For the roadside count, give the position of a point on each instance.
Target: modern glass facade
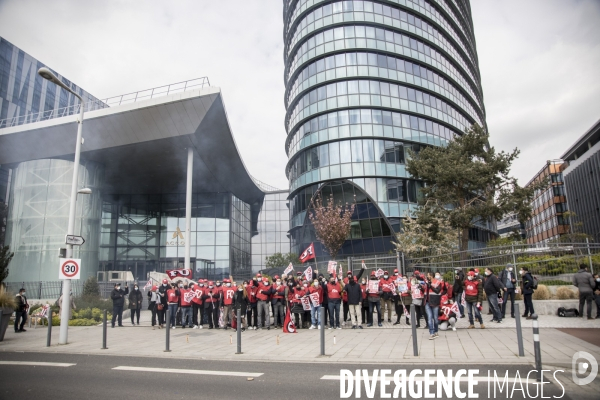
(365, 82)
(273, 226)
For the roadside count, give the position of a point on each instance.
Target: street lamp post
(64, 326)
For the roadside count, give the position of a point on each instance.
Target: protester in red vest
(173, 302)
(227, 301)
(296, 294)
(211, 298)
(364, 309)
(185, 300)
(265, 290)
(447, 317)
(278, 302)
(334, 297)
(388, 286)
(197, 303)
(473, 289)
(404, 298)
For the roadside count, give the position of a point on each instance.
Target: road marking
(431, 379)
(36, 363)
(191, 371)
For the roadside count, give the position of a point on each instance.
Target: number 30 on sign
(70, 268)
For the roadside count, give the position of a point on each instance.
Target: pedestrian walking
(528, 283)
(135, 304)
(509, 280)
(492, 288)
(21, 311)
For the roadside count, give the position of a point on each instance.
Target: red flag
(288, 324)
(308, 254)
(183, 273)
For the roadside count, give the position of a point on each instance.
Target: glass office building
(272, 229)
(365, 82)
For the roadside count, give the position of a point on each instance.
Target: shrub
(556, 282)
(564, 293)
(82, 322)
(7, 300)
(86, 301)
(34, 308)
(542, 293)
(91, 287)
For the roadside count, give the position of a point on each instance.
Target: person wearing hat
(211, 298)
(473, 296)
(373, 297)
(161, 309)
(153, 301)
(265, 290)
(447, 317)
(197, 304)
(334, 295)
(509, 279)
(388, 286)
(252, 307)
(118, 299)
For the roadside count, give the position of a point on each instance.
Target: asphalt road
(94, 377)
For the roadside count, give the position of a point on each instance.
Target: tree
(91, 287)
(280, 260)
(426, 230)
(5, 256)
(472, 180)
(331, 222)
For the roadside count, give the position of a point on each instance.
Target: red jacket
(211, 295)
(407, 293)
(388, 285)
(228, 293)
(334, 291)
(198, 291)
(185, 299)
(318, 290)
(264, 292)
(173, 296)
(252, 290)
(344, 294)
(298, 294)
(279, 292)
(363, 289)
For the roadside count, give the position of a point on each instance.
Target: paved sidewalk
(372, 345)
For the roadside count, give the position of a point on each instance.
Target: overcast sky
(539, 62)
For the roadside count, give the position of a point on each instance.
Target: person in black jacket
(240, 302)
(354, 293)
(492, 286)
(135, 303)
(527, 292)
(597, 294)
(162, 293)
(457, 290)
(509, 280)
(21, 310)
(118, 298)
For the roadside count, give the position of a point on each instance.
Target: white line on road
(191, 371)
(431, 379)
(36, 363)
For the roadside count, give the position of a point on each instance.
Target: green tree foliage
(5, 256)
(473, 180)
(278, 260)
(91, 287)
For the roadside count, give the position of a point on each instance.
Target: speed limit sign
(70, 268)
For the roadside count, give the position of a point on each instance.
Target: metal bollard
(413, 325)
(536, 347)
(104, 325)
(322, 312)
(168, 331)
(239, 331)
(519, 332)
(49, 338)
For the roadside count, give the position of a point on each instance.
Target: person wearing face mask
(403, 287)
(186, 296)
(173, 304)
(334, 295)
(211, 298)
(364, 309)
(240, 302)
(345, 305)
(161, 311)
(296, 304)
(118, 298)
(508, 278)
(278, 302)
(597, 294)
(388, 286)
(373, 297)
(252, 309)
(354, 293)
(228, 293)
(447, 317)
(325, 302)
(315, 310)
(417, 287)
(197, 305)
(22, 307)
(492, 286)
(135, 304)
(265, 290)
(527, 290)
(473, 296)
(153, 301)
(432, 303)
(457, 290)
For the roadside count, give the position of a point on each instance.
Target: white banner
(308, 273)
(306, 303)
(289, 269)
(314, 299)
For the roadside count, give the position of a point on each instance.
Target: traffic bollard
(536, 347)
(104, 325)
(519, 332)
(322, 311)
(239, 331)
(49, 338)
(168, 331)
(413, 325)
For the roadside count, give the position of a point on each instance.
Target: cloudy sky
(537, 60)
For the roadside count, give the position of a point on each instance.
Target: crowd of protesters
(353, 300)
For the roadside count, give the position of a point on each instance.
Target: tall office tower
(365, 82)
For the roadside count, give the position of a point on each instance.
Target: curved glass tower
(365, 82)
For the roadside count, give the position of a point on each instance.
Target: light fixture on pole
(65, 307)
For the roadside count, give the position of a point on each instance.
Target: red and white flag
(379, 272)
(308, 254)
(306, 303)
(314, 299)
(454, 308)
(462, 300)
(289, 269)
(148, 284)
(189, 296)
(406, 313)
(221, 325)
(308, 273)
(179, 273)
(340, 272)
(288, 324)
(331, 266)
(44, 312)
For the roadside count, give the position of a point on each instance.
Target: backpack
(567, 312)
(535, 283)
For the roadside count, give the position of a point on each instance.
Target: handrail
(127, 98)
